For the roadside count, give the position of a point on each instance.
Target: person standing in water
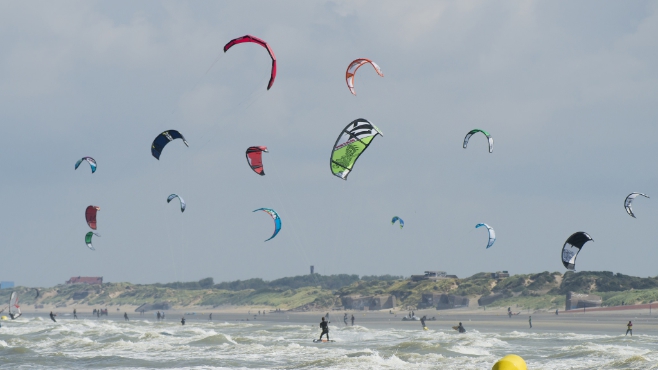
(159, 316)
(182, 321)
(210, 317)
(52, 316)
(460, 328)
(324, 325)
(629, 329)
(125, 316)
(352, 320)
(75, 314)
(422, 322)
(530, 321)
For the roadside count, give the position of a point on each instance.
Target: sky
(568, 90)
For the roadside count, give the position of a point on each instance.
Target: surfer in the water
(324, 325)
(352, 320)
(182, 321)
(460, 328)
(52, 316)
(630, 328)
(345, 319)
(125, 316)
(422, 322)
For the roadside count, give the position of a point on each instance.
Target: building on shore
(578, 300)
(443, 301)
(433, 275)
(378, 302)
(91, 280)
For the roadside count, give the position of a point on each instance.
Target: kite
(14, 308)
(492, 234)
(164, 139)
(396, 218)
(275, 217)
(92, 163)
(351, 143)
(256, 40)
(473, 132)
(182, 202)
(90, 216)
(255, 158)
(572, 247)
(88, 239)
(37, 296)
(629, 200)
(353, 67)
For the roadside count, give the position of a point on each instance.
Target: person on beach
(182, 321)
(324, 325)
(125, 316)
(460, 328)
(345, 319)
(75, 314)
(352, 320)
(530, 321)
(629, 329)
(52, 316)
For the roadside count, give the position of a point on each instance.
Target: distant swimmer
(125, 316)
(345, 319)
(182, 321)
(52, 316)
(75, 314)
(530, 321)
(352, 320)
(324, 325)
(630, 328)
(460, 328)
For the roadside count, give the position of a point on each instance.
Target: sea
(144, 343)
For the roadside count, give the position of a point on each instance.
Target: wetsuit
(422, 321)
(182, 321)
(52, 317)
(125, 316)
(352, 320)
(324, 325)
(75, 314)
(630, 328)
(461, 329)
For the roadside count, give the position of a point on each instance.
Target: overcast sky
(568, 90)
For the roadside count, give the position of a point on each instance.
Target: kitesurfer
(460, 328)
(75, 314)
(324, 325)
(159, 316)
(52, 316)
(530, 321)
(629, 328)
(125, 316)
(345, 319)
(182, 321)
(422, 321)
(352, 320)
(210, 317)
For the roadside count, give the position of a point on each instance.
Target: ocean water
(37, 343)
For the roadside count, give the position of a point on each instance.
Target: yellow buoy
(510, 362)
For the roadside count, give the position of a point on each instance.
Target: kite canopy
(473, 132)
(164, 139)
(182, 202)
(396, 218)
(92, 163)
(351, 143)
(90, 216)
(275, 217)
(629, 200)
(255, 158)
(492, 234)
(256, 40)
(88, 239)
(353, 67)
(572, 247)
